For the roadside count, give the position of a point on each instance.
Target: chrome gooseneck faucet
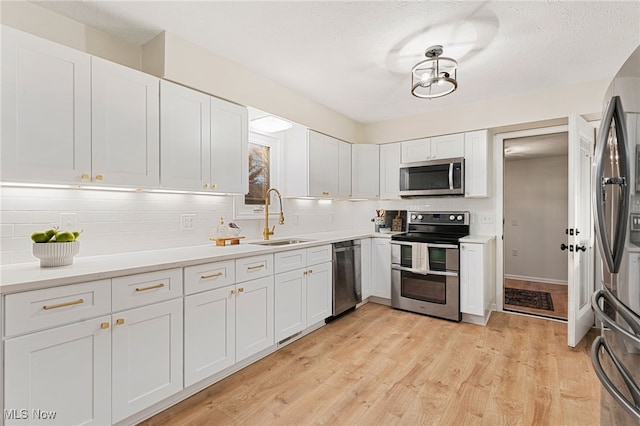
(267, 233)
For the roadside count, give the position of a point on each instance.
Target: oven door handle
(422, 272)
(444, 246)
(451, 176)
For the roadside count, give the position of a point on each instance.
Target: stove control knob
(452, 217)
(459, 217)
(419, 217)
(413, 216)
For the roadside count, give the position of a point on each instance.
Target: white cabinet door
(344, 170)
(323, 165)
(447, 146)
(296, 162)
(46, 110)
(390, 171)
(125, 125)
(319, 292)
(290, 303)
(209, 333)
(381, 267)
(66, 370)
(147, 356)
(185, 136)
(254, 317)
(365, 267)
(416, 150)
(471, 283)
(476, 164)
(365, 171)
(229, 147)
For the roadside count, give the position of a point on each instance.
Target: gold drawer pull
(252, 268)
(241, 290)
(85, 177)
(99, 178)
(311, 271)
(325, 193)
(120, 321)
(153, 287)
(206, 277)
(62, 305)
(104, 325)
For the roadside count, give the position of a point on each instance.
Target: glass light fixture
(435, 76)
(270, 124)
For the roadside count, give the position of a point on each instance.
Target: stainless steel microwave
(437, 177)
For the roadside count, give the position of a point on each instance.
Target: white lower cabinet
(290, 303)
(147, 356)
(254, 317)
(476, 278)
(209, 333)
(60, 376)
(319, 293)
(381, 267)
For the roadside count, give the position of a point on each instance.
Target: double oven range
(425, 264)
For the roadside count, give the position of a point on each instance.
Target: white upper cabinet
(185, 134)
(324, 152)
(204, 142)
(344, 169)
(390, 171)
(476, 165)
(229, 147)
(365, 179)
(46, 110)
(125, 122)
(435, 148)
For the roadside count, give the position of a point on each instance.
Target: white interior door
(580, 235)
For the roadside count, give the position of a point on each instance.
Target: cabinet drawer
(320, 254)
(254, 267)
(143, 289)
(50, 307)
(290, 260)
(209, 276)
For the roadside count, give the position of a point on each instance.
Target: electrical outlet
(295, 218)
(68, 222)
(486, 219)
(514, 222)
(332, 217)
(188, 222)
(514, 252)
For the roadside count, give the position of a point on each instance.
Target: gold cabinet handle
(206, 277)
(120, 321)
(206, 186)
(241, 290)
(153, 287)
(253, 268)
(233, 291)
(99, 178)
(214, 185)
(325, 193)
(85, 176)
(311, 271)
(305, 272)
(104, 325)
(62, 305)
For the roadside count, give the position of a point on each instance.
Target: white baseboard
(536, 279)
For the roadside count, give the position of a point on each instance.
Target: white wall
(117, 222)
(536, 211)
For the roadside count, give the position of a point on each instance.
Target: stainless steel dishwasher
(347, 285)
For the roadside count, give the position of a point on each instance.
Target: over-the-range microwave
(437, 177)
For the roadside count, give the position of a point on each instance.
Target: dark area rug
(528, 298)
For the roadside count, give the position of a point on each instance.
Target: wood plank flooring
(558, 295)
(381, 366)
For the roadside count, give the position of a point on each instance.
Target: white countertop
(482, 239)
(30, 276)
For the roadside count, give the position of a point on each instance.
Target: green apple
(65, 237)
(76, 234)
(39, 237)
(50, 233)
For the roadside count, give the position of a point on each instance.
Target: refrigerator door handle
(629, 316)
(631, 407)
(612, 251)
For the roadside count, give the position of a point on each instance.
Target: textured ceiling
(356, 57)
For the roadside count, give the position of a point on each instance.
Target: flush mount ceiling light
(435, 76)
(270, 124)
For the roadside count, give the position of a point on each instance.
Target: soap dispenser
(222, 229)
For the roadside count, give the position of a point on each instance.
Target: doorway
(535, 211)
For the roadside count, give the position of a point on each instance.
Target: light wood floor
(558, 295)
(382, 366)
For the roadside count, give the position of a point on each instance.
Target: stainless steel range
(425, 264)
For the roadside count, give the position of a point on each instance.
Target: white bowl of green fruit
(55, 248)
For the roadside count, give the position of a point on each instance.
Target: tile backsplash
(122, 222)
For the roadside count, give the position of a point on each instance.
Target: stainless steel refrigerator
(615, 354)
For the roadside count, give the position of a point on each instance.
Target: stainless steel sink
(281, 242)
